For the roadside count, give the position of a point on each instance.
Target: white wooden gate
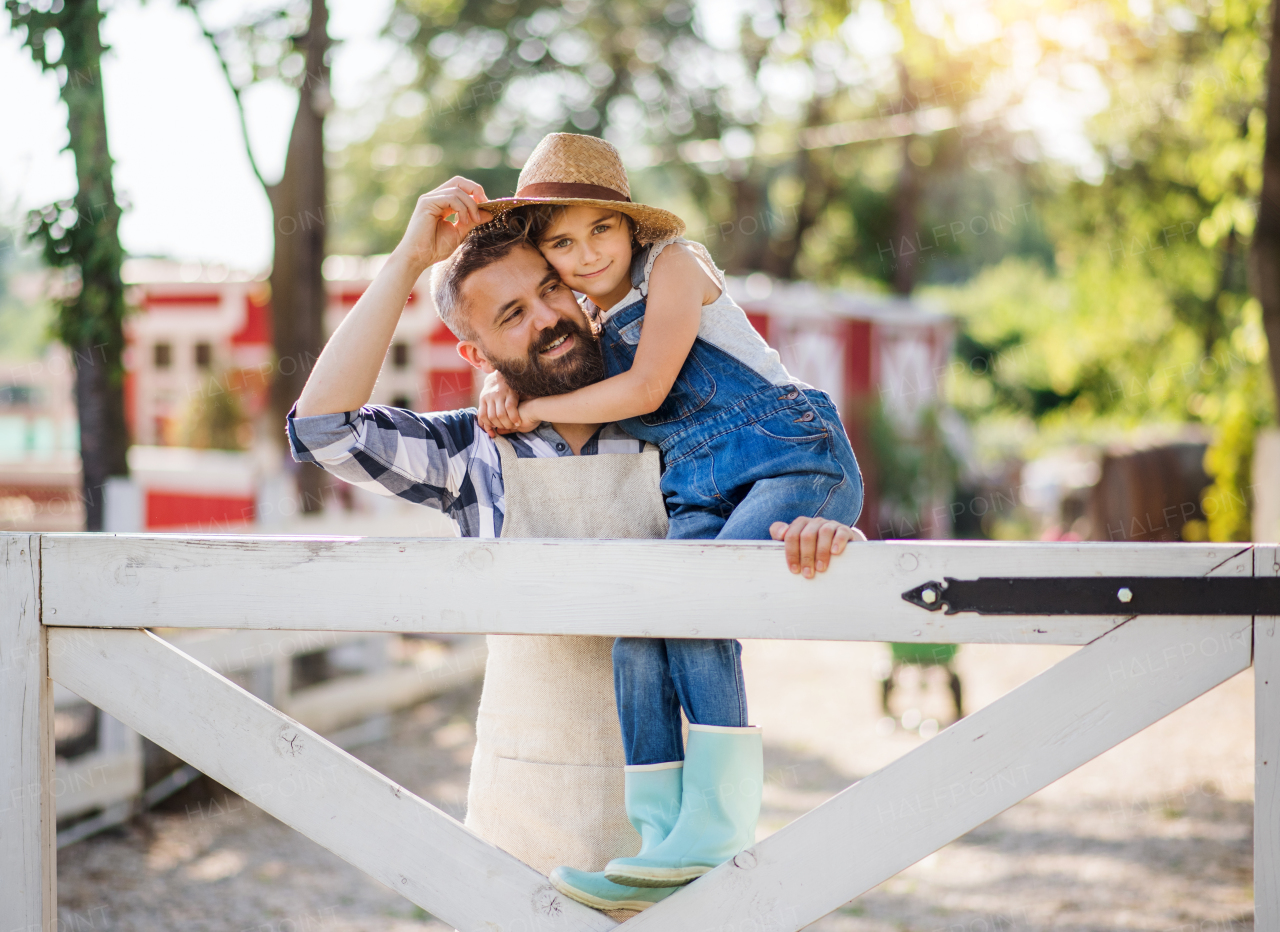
(74, 608)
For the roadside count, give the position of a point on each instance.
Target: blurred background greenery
(1098, 293)
(1077, 182)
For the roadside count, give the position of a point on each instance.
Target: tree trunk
(104, 439)
(1266, 238)
(90, 322)
(780, 261)
(906, 201)
(298, 296)
(748, 239)
(905, 224)
(93, 323)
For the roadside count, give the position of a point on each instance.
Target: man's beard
(536, 377)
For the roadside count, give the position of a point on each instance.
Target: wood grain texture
(28, 853)
(1266, 805)
(1087, 703)
(309, 784)
(642, 588)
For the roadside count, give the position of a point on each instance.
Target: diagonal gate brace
(308, 783)
(1101, 695)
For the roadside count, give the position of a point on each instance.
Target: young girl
(743, 445)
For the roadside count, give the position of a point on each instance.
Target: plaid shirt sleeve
(441, 459)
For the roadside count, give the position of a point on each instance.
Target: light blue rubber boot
(719, 808)
(653, 795)
(592, 889)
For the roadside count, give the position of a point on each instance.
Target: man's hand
(812, 542)
(345, 373)
(430, 236)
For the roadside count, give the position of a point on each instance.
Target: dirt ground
(1154, 835)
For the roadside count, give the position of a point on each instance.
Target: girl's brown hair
(531, 221)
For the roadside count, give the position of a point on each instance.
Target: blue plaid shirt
(440, 458)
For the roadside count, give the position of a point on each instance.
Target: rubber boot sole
(595, 902)
(656, 876)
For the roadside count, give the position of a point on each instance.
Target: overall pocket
(693, 388)
(797, 423)
(694, 385)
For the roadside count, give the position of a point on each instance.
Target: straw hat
(567, 168)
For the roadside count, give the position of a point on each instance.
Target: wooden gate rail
(649, 588)
(72, 606)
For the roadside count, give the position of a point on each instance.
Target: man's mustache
(562, 329)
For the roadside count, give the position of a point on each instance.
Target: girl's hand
(527, 420)
(498, 409)
(812, 542)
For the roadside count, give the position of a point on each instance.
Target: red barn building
(867, 351)
(201, 330)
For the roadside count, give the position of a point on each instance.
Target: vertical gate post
(1266, 783)
(28, 853)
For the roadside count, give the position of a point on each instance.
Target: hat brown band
(593, 192)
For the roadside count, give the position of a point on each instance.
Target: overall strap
(642, 264)
(640, 269)
(506, 453)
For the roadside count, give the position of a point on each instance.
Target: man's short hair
(485, 245)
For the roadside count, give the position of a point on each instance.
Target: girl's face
(591, 249)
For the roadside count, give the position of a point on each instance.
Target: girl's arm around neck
(678, 288)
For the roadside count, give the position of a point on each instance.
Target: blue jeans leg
(654, 677)
(707, 673)
(787, 497)
(648, 708)
(688, 523)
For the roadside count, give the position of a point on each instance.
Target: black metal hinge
(1102, 595)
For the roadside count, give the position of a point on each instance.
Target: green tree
(1149, 321)
(81, 236)
(1266, 242)
(491, 78)
(215, 420)
(291, 44)
(786, 149)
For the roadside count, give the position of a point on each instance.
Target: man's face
(529, 327)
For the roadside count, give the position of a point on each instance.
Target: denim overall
(738, 454)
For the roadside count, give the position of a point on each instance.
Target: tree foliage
(291, 44)
(1149, 323)
(1077, 181)
(781, 142)
(81, 236)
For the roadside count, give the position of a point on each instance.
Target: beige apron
(547, 775)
